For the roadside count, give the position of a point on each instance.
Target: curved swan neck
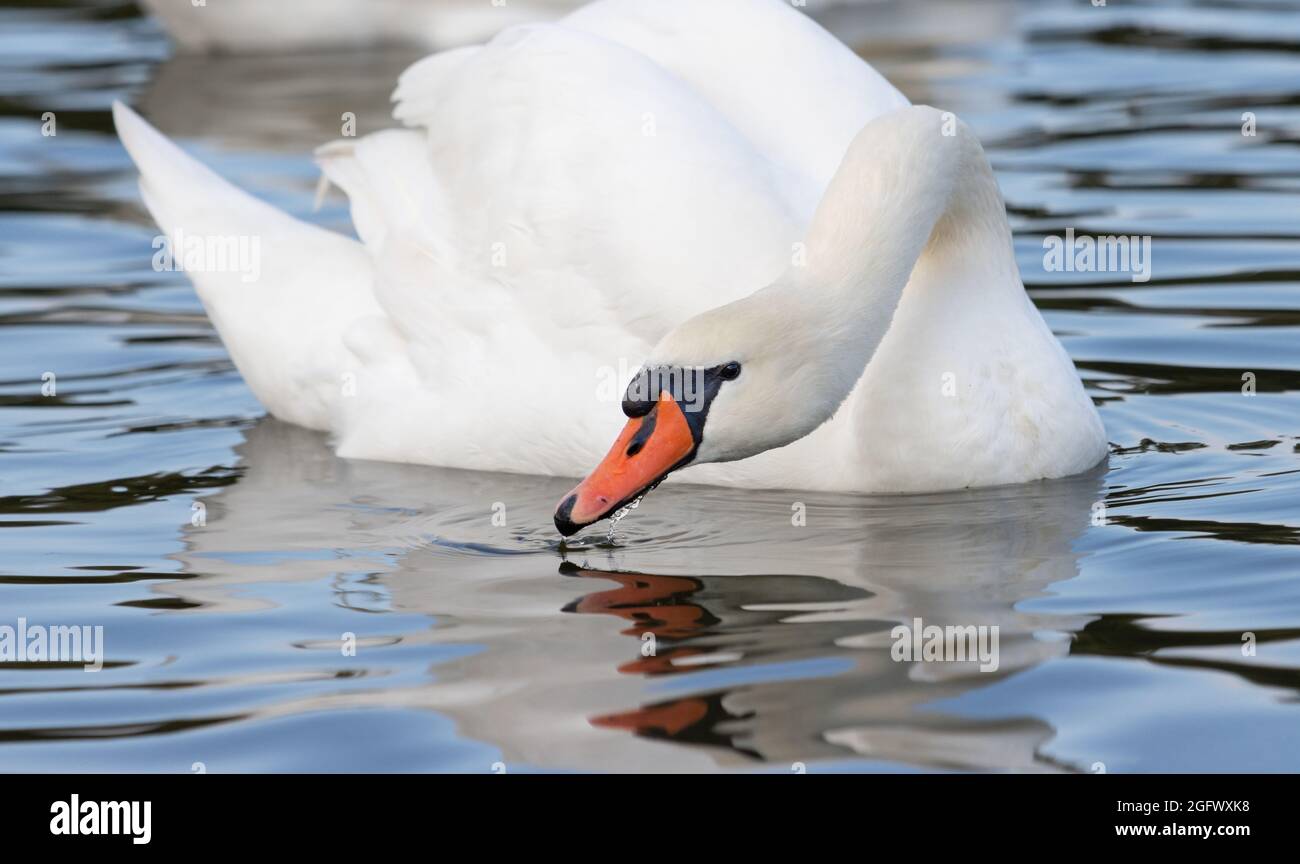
(913, 183)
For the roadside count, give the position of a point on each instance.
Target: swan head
(728, 384)
(768, 369)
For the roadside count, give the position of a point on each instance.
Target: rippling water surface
(1122, 597)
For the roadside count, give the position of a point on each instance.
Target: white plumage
(262, 26)
(570, 194)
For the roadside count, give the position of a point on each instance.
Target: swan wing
(583, 184)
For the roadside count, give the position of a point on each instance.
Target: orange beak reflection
(646, 451)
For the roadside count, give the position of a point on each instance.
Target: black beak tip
(563, 523)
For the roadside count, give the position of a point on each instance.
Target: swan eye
(730, 372)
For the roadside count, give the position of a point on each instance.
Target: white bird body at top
(661, 182)
(260, 26)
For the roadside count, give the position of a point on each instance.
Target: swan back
(793, 90)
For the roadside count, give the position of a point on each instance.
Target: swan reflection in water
(715, 633)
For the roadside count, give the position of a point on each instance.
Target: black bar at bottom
(333, 812)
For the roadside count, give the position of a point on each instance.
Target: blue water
(1123, 598)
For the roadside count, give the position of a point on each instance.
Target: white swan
(607, 193)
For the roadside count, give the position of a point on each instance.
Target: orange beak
(646, 451)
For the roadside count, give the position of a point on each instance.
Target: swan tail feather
(282, 293)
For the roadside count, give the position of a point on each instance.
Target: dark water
(1122, 598)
